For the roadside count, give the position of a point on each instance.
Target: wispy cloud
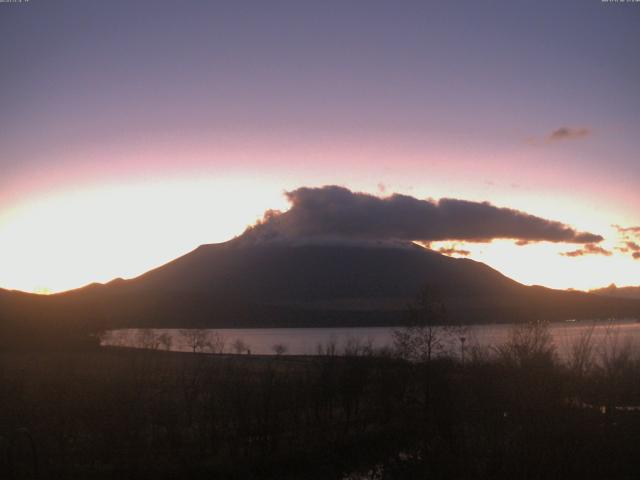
(588, 249)
(560, 134)
(627, 230)
(454, 251)
(568, 133)
(633, 246)
(629, 241)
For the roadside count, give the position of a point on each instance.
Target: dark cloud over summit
(333, 211)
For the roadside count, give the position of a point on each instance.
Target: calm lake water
(309, 341)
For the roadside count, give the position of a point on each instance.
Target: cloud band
(337, 211)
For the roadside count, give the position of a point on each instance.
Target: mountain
(618, 292)
(246, 284)
(41, 321)
(249, 284)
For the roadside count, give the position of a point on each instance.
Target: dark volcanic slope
(276, 273)
(235, 284)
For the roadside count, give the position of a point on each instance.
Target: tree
(581, 359)
(422, 338)
(355, 347)
(617, 363)
(239, 346)
(165, 340)
(197, 339)
(147, 338)
(330, 349)
(529, 345)
(279, 349)
(216, 343)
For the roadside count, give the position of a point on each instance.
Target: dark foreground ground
(133, 414)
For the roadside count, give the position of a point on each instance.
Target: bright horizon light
(68, 240)
(72, 239)
(132, 135)
(542, 264)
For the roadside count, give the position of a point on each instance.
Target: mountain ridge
(618, 292)
(327, 283)
(237, 284)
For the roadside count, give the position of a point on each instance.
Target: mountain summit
(311, 283)
(306, 282)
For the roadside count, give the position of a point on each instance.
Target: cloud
(633, 246)
(454, 251)
(625, 232)
(629, 240)
(338, 212)
(568, 133)
(588, 249)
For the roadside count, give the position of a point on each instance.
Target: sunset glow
(115, 160)
(319, 239)
(68, 240)
(65, 241)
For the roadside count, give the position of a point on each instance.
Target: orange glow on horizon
(543, 264)
(76, 238)
(71, 239)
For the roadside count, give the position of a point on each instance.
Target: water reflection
(337, 341)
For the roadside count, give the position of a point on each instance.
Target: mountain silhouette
(618, 292)
(245, 284)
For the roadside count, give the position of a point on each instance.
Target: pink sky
(132, 135)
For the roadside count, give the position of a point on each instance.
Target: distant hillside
(621, 292)
(239, 284)
(354, 283)
(41, 321)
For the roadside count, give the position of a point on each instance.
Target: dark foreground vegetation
(515, 412)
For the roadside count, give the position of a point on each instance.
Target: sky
(132, 132)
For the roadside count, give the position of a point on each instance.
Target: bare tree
(279, 349)
(617, 363)
(355, 347)
(239, 346)
(216, 343)
(529, 344)
(329, 349)
(615, 352)
(197, 339)
(423, 337)
(460, 333)
(147, 338)
(165, 340)
(581, 353)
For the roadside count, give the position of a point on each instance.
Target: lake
(311, 341)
